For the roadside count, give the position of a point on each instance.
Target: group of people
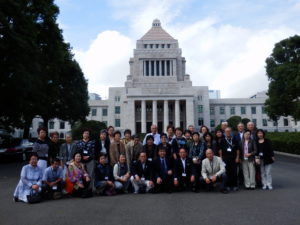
(173, 161)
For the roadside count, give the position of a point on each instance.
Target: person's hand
(35, 187)
(174, 156)
(109, 183)
(127, 175)
(137, 178)
(87, 179)
(207, 180)
(248, 155)
(170, 172)
(192, 178)
(151, 183)
(273, 158)
(80, 185)
(176, 183)
(214, 179)
(237, 160)
(159, 180)
(86, 157)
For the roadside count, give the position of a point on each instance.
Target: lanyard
(230, 143)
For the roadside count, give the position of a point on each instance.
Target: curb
(287, 154)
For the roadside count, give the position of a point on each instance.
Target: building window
(157, 45)
(254, 121)
(104, 112)
(168, 45)
(265, 122)
(163, 67)
(145, 45)
(62, 125)
(222, 110)
(200, 121)
(200, 108)
(263, 110)
(168, 67)
(232, 110)
(117, 122)
(151, 45)
(212, 123)
(117, 98)
(51, 125)
(199, 97)
(212, 110)
(243, 110)
(117, 109)
(61, 135)
(162, 46)
(275, 123)
(147, 68)
(253, 110)
(94, 112)
(285, 122)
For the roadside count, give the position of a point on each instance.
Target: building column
(160, 73)
(143, 116)
(166, 115)
(177, 114)
(154, 112)
(189, 107)
(174, 67)
(165, 67)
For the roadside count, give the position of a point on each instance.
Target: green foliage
(37, 68)
(283, 71)
(94, 126)
(285, 141)
(234, 121)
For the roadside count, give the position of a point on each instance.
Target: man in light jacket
(213, 171)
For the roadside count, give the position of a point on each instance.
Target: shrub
(285, 141)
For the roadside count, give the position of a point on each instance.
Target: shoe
(252, 188)
(270, 188)
(247, 188)
(228, 189)
(15, 199)
(264, 187)
(224, 191)
(235, 188)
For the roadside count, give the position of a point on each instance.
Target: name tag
(106, 178)
(194, 158)
(183, 174)
(54, 188)
(228, 149)
(150, 159)
(261, 154)
(143, 178)
(85, 152)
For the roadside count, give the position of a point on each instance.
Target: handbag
(34, 197)
(69, 185)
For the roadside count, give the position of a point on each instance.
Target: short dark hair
(41, 128)
(196, 133)
(262, 131)
(103, 131)
(33, 154)
(110, 127)
(117, 132)
(162, 148)
(54, 133)
(149, 137)
(178, 128)
(75, 153)
(127, 131)
(205, 127)
(55, 160)
(136, 136)
(101, 155)
(188, 131)
(163, 135)
(183, 149)
(170, 126)
(208, 134)
(86, 130)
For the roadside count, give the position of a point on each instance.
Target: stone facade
(158, 91)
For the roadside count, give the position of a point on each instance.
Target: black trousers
(231, 171)
(80, 192)
(165, 186)
(47, 191)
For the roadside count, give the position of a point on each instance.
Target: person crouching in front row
(121, 175)
(141, 178)
(213, 171)
(53, 180)
(104, 177)
(184, 176)
(163, 172)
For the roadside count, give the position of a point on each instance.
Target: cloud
(105, 63)
(220, 55)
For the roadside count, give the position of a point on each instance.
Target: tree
(245, 121)
(234, 121)
(283, 71)
(94, 126)
(38, 73)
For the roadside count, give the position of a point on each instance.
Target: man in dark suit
(238, 137)
(162, 172)
(102, 145)
(141, 172)
(67, 150)
(183, 171)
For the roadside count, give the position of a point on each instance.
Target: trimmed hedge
(285, 141)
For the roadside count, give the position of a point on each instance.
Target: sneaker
(235, 188)
(270, 187)
(264, 187)
(224, 191)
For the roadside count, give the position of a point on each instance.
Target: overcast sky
(225, 42)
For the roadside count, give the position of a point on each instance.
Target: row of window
(157, 45)
(264, 122)
(61, 125)
(104, 111)
(232, 110)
